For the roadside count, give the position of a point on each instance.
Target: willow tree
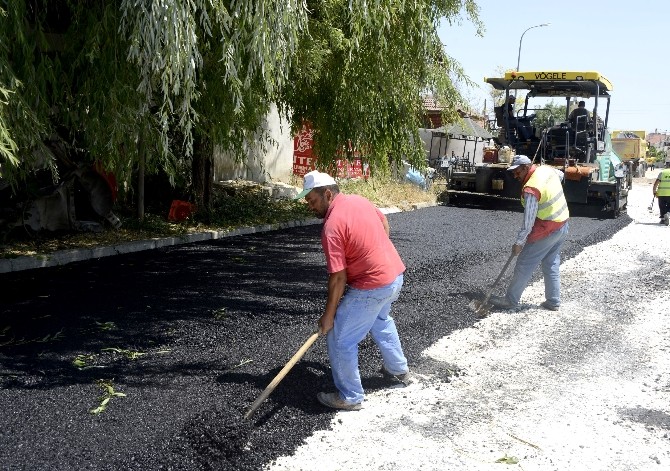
(162, 82)
(68, 80)
(361, 69)
(224, 62)
(138, 81)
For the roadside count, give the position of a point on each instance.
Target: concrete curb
(63, 257)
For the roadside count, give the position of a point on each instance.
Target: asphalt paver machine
(595, 176)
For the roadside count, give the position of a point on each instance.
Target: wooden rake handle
(273, 384)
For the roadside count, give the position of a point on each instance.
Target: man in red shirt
(365, 278)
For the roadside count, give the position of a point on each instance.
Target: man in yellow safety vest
(544, 229)
(662, 192)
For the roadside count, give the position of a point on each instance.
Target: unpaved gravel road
(587, 388)
(192, 335)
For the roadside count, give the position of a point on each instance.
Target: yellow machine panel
(554, 83)
(555, 75)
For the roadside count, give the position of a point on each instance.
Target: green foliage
(656, 154)
(155, 224)
(119, 78)
(251, 208)
(109, 393)
(220, 313)
(129, 354)
(106, 326)
(360, 71)
(508, 460)
(550, 113)
(119, 82)
(82, 361)
(214, 70)
(498, 96)
(7, 338)
(7, 145)
(69, 84)
(23, 109)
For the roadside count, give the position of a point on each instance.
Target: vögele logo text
(550, 76)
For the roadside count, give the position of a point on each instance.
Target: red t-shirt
(354, 238)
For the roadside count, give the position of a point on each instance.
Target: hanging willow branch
(100, 76)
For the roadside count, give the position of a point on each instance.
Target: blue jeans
(663, 204)
(359, 312)
(546, 251)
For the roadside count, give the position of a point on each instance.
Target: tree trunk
(203, 174)
(140, 180)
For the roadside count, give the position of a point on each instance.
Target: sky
(624, 41)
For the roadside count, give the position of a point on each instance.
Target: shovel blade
(480, 308)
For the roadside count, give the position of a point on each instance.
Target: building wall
(266, 161)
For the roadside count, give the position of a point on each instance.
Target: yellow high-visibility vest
(552, 205)
(663, 188)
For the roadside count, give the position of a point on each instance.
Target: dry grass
(383, 192)
(45, 243)
(387, 193)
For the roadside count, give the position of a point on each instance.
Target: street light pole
(518, 60)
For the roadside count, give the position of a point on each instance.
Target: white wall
(275, 163)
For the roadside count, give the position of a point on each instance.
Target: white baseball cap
(315, 179)
(519, 160)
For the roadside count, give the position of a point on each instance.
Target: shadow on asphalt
(143, 301)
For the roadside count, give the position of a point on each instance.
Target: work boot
(666, 219)
(334, 401)
(501, 302)
(405, 378)
(548, 306)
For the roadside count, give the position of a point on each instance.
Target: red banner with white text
(304, 161)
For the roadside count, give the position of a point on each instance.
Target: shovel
(651, 206)
(273, 384)
(482, 308)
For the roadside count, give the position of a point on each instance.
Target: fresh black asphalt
(192, 334)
